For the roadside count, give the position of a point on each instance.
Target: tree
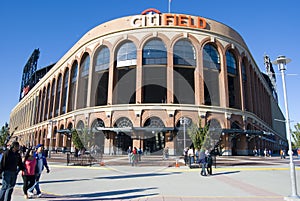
(296, 136)
(198, 134)
(4, 135)
(76, 139)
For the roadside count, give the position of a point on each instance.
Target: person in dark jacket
(209, 161)
(10, 165)
(41, 162)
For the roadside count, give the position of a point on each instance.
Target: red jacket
(29, 167)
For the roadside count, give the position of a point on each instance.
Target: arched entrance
(122, 138)
(213, 136)
(154, 135)
(98, 137)
(235, 138)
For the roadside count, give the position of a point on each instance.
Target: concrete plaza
(264, 181)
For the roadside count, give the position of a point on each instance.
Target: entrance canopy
(132, 129)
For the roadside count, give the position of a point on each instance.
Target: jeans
(203, 171)
(8, 183)
(36, 185)
(28, 182)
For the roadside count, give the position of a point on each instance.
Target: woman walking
(29, 173)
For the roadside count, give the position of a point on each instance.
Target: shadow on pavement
(137, 175)
(117, 195)
(224, 173)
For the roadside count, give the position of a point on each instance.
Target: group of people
(266, 152)
(32, 166)
(202, 157)
(205, 161)
(134, 155)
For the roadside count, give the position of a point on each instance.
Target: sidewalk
(158, 183)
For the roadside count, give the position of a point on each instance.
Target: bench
(82, 160)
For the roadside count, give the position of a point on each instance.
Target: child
(29, 173)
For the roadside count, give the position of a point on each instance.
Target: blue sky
(268, 27)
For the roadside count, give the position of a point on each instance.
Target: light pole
(183, 121)
(50, 134)
(281, 61)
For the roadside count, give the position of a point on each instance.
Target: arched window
(245, 86)
(102, 59)
(100, 77)
(83, 82)
(43, 105)
(211, 64)
(125, 74)
(233, 81)
(48, 95)
(52, 99)
(244, 71)
(154, 72)
(231, 63)
(154, 52)
(65, 91)
(184, 66)
(126, 55)
(184, 53)
(211, 58)
(84, 67)
(58, 90)
(72, 89)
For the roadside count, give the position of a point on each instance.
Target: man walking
(41, 162)
(202, 162)
(10, 164)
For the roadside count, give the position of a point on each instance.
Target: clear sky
(268, 27)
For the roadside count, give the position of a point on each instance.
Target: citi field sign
(153, 17)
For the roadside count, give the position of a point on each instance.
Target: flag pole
(169, 10)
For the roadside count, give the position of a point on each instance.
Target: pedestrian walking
(140, 152)
(10, 164)
(209, 161)
(202, 162)
(28, 174)
(134, 159)
(129, 154)
(166, 153)
(191, 156)
(41, 162)
(185, 155)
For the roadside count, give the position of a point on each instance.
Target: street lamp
(281, 61)
(50, 134)
(183, 121)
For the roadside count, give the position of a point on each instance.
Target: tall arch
(58, 95)
(124, 86)
(184, 61)
(72, 90)
(65, 91)
(154, 72)
(83, 81)
(51, 108)
(100, 76)
(211, 70)
(233, 80)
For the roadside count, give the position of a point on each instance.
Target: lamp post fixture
(183, 121)
(281, 61)
(50, 134)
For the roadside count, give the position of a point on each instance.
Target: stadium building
(144, 81)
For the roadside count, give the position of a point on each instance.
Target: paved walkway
(162, 183)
